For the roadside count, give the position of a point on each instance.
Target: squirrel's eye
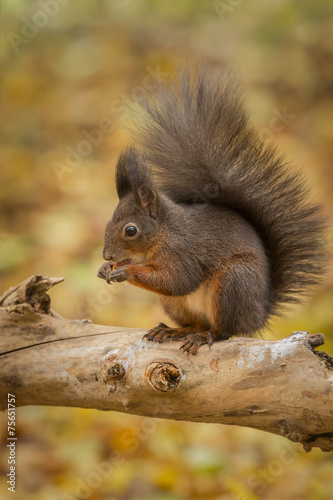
(131, 231)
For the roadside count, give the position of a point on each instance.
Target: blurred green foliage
(70, 70)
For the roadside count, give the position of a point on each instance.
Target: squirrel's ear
(123, 184)
(148, 200)
(131, 172)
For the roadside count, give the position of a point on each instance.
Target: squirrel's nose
(106, 255)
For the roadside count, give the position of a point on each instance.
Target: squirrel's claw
(157, 334)
(195, 340)
(190, 346)
(210, 339)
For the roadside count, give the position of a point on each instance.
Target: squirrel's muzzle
(107, 255)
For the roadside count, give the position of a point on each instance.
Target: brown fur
(224, 235)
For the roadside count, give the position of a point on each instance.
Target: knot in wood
(113, 370)
(116, 371)
(163, 376)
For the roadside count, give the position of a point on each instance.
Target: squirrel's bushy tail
(195, 134)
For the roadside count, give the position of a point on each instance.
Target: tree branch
(284, 386)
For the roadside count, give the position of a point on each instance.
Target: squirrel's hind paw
(162, 332)
(159, 333)
(192, 339)
(195, 340)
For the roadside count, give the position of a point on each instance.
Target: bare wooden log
(284, 386)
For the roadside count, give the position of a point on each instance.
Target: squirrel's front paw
(117, 275)
(105, 270)
(114, 271)
(109, 273)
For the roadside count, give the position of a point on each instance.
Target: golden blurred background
(69, 71)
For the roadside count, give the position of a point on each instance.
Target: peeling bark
(284, 386)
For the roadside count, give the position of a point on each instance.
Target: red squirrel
(210, 217)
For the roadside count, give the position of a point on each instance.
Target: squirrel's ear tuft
(148, 200)
(123, 184)
(131, 173)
